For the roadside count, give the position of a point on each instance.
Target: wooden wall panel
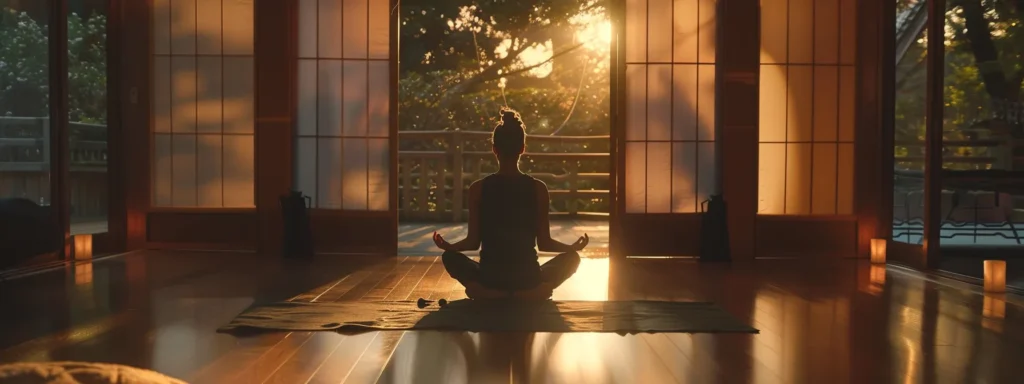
(202, 230)
(135, 89)
(275, 51)
(738, 66)
(872, 153)
(806, 237)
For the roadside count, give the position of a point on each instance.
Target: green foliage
(24, 64)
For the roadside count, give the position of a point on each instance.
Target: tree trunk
(986, 57)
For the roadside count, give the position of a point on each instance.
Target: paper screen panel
(684, 177)
(210, 104)
(354, 29)
(379, 174)
(306, 168)
(328, 29)
(209, 26)
(238, 27)
(636, 177)
(183, 170)
(209, 171)
(239, 171)
(355, 167)
(659, 177)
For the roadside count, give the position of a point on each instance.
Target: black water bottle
(298, 237)
(714, 237)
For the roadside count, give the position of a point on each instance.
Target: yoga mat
(492, 316)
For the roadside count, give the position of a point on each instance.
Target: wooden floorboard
(818, 324)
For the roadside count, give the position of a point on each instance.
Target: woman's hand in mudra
(441, 242)
(581, 243)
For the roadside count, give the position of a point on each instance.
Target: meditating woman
(508, 216)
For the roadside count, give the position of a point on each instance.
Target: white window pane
(659, 177)
(379, 175)
(659, 99)
(774, 15)
(183, 94)
(801, 31)
(209, 99)
(659, 31)
(307, 28)
(708, 25)
(329, 27)
(329, 172)
(354, 28)
(162, 94)
(208, 26)
(162, 170)
(826, 101)
(846, 103)
(210, 180)
(355, 166)
(305, 167)
(848, 32)
(706, 171)
(238, 27)
(354, 115)
(239, 171)
(636, 31)
(684, 102)
(161, 27)
(636, 101)
(684, 177)
(800, 104)
(823, 196)
(636, 177)
(826, 31)
(183, 27)
(329, 99)
(771, 179)
(706, 101)
(183, 170)
(772, 109)
(846, 169)
(685, 37)
(306, 111)
(798, 179)
(239, 95)
(379, 98)
(380, 29)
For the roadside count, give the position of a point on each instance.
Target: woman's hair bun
(510, 118)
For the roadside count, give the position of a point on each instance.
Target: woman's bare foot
(480, 292)
(540, 292)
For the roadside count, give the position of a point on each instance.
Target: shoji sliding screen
(806, 127)
(202, 124)
(345, 147)
(666, 136)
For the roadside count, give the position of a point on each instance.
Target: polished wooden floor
(843, 322)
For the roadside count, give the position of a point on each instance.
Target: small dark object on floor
(422, 303)
(442, 302)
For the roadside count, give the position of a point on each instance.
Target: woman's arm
(472, 240)
(544, 241)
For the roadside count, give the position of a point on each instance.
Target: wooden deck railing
(433, 183)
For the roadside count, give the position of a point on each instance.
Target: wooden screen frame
(339, 231)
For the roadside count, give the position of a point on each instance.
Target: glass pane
(380, 29)
(378, 174)
(355, 187)
(684, 177)
(908, 191)
(354, 112)
(354, 23)
(210, 171)
(636, 31)
(306, 168)
(636, 177)
(87, 117)
(659, 31)
(659, 102)
(636, 100)
(328, 27)
(329, 101)
(684, 102)
(824, 172)
(659, 177)
(328, 172)
(685, 38)
(983, 126)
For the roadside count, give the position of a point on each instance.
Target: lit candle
(83, 247)
(878, 251)
(995, 276)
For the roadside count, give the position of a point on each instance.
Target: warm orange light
(83, 274)
(993, 307)
(878, 251)
(995, 276)
(83, 247)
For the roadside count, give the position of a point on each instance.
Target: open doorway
(460, 63)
